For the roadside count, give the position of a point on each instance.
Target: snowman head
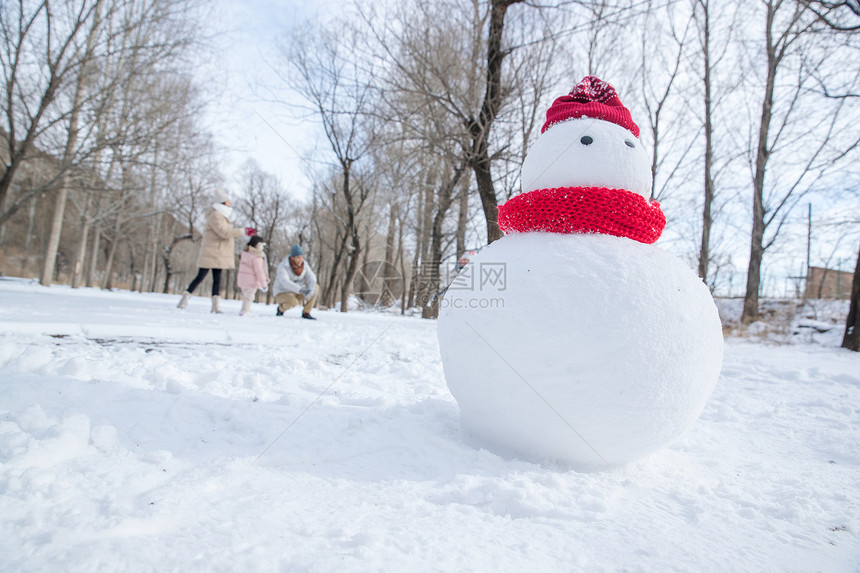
(589, 140)
(587, 172)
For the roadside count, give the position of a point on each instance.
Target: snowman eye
(628, 143)
(586, 140)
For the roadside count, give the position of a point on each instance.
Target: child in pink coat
(253, 273)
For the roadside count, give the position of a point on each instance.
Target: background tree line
(426, 111)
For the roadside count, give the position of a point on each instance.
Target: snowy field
(137, 437)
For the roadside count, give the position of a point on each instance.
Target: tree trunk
(366, 241)
(413, 284)
(427, 215)
(108, 284)
(53, 245)
(851, 340)
(416, 260)
(3, 200)
(168, 273)
(479, 128)
(487, 192)
(141, 286)
(463, 217)
(351, 232)
(81, 254)
(108, 278)
(402, 261)
(31, 223)
(422, 284)
(392, 231)
(352, 266)
(707, 219)
(331, 287)
(351, 269)
(150, 257)
(168, 268)
(131, 266)
(154, 267)
(11, 167)
(78, 268)
(389, 271)
(750, 311)
(430, 306)
(93, 259)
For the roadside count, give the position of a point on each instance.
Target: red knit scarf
(584, 210)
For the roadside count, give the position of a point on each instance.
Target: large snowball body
(593, 351)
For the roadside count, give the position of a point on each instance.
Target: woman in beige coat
(216, 249)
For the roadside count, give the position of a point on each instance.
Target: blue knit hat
(296, 251)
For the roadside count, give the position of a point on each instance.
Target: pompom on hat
(592, 97)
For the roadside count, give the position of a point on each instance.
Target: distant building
(828, 283)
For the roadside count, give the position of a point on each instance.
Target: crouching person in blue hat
(295, 284)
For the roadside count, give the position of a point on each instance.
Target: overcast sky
(244, 122)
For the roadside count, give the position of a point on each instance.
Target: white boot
(183, 302)
(216, 304)
(246, 307)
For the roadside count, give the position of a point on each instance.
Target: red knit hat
(592, 97)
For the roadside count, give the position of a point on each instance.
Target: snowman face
(587, 152)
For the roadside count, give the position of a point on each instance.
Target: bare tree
(32, 103)
(815, 147)
(842, 16)
(71, 148)
(659, 84)
(57, 106)
(533, 75)
(479, 126)
(323, 69)
(702, 15)
(472, 91)
(714, 38)
(395, 163)
(447, 182)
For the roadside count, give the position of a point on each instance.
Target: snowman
(573, 340)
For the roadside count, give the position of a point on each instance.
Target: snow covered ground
(137, 437)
